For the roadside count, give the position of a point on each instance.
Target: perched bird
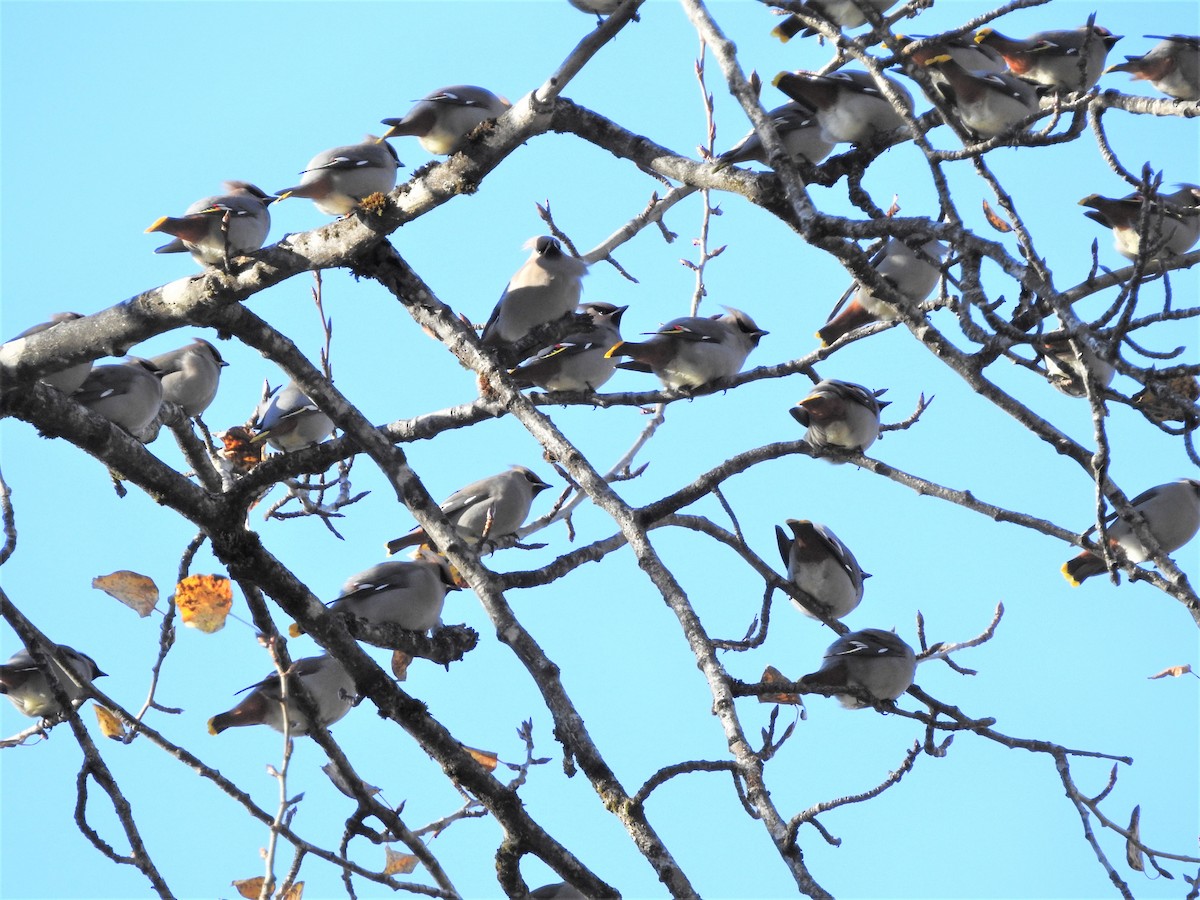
(1069, 60)
(1172, 66)
(986, 104)
(491, 507)
(693, 351)
(849, 106)
(871, 661)
(839, 416)
(1066, 370)
(1170, 229)
(842, 13)
(216, 229)
(288, 420)
(544, 289)
(1172, 513)
(913, 274)
(442, 120)
(128, 395)
(821, 566)
(409, 594)
(190, 375)
(27, 687)
(337, 180)
(961, 48)
(560, 890)
(798, 129)
(578, 362)
(328, 684)
(65, 380)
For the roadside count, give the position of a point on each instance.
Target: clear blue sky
(117, 113)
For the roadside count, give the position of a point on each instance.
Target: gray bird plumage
(596, 7)
(560, 890)
(689, 352)
(821, 566)
(872, 661)
(409, 594)
(66, 380)
(842, 13)
(1172, 66)
(798, 129)
(544, 289)
(442, 120)
(496, 505)
(839, 416)
(1066, 371)
(849, 105)
(28, 688)
(1065, 60)
(579, 362)
(338, 179)
(288, 420)
(190, 375)
(216, 229)
(1172, 513)
(327, 682)
(987, 104)
(1170, 229)
(128, 395)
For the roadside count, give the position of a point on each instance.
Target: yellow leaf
(295, 892)
(136, 591)
(400, 663)
(110, 725)
(1173, 671)
(249, 888)
(399, 863)
(204, 601)
(485, 758)
(772, 675)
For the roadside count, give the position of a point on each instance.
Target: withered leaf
(994, 220)
(485, 758)
(111, 725)
(772, 675)
(249, 888)
(1173, 671)
(138, 592)
(400, 663)
(204, 601)
(1133, 850)
(340, 783)
(399, 863)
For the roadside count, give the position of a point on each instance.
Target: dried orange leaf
(400, 663)
(399, 863)
(1173, 671)
(250, 888)
(240, 452)
(138, 592)
(111, 725)
(994, 220)
(204, 601)
(772, 675)
(485, 758)
(295, 892)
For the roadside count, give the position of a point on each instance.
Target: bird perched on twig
(128, 395)
(442, 119)
(1172, 66)
(1067, 60)
(190, 375)
(1172, 221)
(841, 13)
(849, 105)
(1067, 370)
(693, 351)
(288, 420)
(216, 229)
(28, 688)
(337, 180)
(579, 362)
(543, 290)
(65, 380)
(491, 507)
(871, 661)
(327, 682)
(839, 416)
(798, 129)
(821, 566)
(985, 103)
(1172, 513)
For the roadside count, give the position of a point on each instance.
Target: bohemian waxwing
(1172, 66)
(1055, 58)
(66, 380)
(798, 129)
(442, 120)
(960, 47)
(871, 661)
(329, 686)
(27, 687)
(1170, 229)
(491, 507)
(913, 274)
(190, 375)
(840, 416)
(409, 594)
(128, 395)
(1172, 512)
(596, 7)
(544, 289)
(337, 180)
(821, 566)
(560, 890)
(842, 13)
(1066, 370)
(217, 229)
(693, 351)
(986, 104)
(849, 106)
(578, 362)
(288, 420)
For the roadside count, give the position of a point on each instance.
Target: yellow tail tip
(156, 225)
(613, 349)
(981, 35)
(779, 32)
(294, 630)
(1066, 570)
(778, 78)
(212, 729)
(281, 197)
